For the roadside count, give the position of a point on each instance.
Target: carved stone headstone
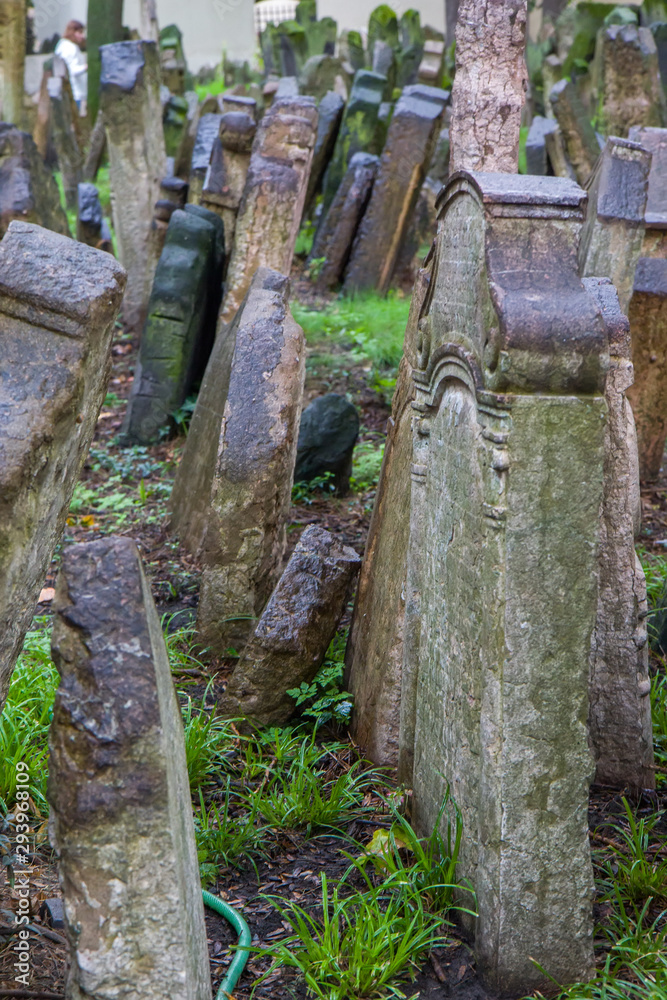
(648, 332)
(180, 328)
(413, 131)
(208, 130)
(57, 325)
(291, 639)
(507, 480)
(130, 103)
(232, 491)
(64, 135)
(228, 169)
(330, 115)
(628, 74)
(28, 190)
(270, 213)
(121, 816)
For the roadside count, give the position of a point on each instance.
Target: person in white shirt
(69, 50)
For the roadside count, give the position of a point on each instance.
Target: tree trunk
(489, 87)
(105, 25)
(149, 23)
(12, 26)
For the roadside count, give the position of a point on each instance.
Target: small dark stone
(327, 436)
(52, 914)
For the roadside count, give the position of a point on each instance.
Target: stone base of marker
(56, 327)
(648, 332)
(28, 190)
(293, 634)
(121, 816)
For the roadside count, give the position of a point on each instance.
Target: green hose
(241, 957)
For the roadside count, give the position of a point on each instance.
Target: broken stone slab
(290, 641)
(271, 209)
(414, 128)
(655, 141)
(513, 357)
(431, 67)
(232, 491)
(64, 136)
(359, 131)
(581, 143)
(374, 654)
(330, 115)
(57, 326)
(121, 817)
(322, 74)
(327, 435)
(620, 725)
(613, 235)
(628, 75)
(132, 112)
(227, 172)
(180, 329)
(91, 226)
(28, 190)
(648, 331)
(488, 94)
(537, 159)
(208, 130)
(335, 234)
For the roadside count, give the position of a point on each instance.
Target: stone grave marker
(383, 27)
(328, 432)
(91, 226)
(64, 135)
(648, 331)
(28, 190)
(228, 170)
(383, 62)
(581, 144)
(412, 48)
(330, 114)
(57, 327)
(322, 74)
(121, 816)
(351, 49)
(537, 159)
(232, 492)
(432, 64)
(240, 103)
(173, 195)
(629, 86)
(208, 131)
(132, 112)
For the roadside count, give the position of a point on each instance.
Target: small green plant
(324, 699)
(304, 493)
(315, 267)
(304, 241)
(637, 875)
(207, 741)
(225, 840)
(366, 465)
(182, 417)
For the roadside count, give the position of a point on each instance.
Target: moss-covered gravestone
(351, 50)
(412, 48)
(383, 27)
(180, 328)
(58, 304)
(292, 47)
(321, 74)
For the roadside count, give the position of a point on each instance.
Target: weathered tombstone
(291, 639)
(322, 74)
(489, 91)
(130, 103)
(57, 327)
(629, 87)
(121, 816)
(412, 47)
(507, 471)
(288, 87)
(321, 37)
(91, 226)
(173, 195)
(351, 50)
(240, 103)
(383, 61)
(270, 213)
(175, 121)
(655, 140)
(232, 492)
(556, 153)
(292, 46)
(648, 330)
(659, 32)
(537, 160)
(208, 130)
(330, 115)
(432, 64)
(335, 234)
(65, 139)
(382, 26)
(359, 131)
(180, 328)
(414, 128)
(327, 435)
(28, 190)
(581, 144)
(306, 12)
(172, 59)
(228, 170)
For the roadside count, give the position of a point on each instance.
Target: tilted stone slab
(291, 639)
(330, 114)
(132, 111)
(655, 141)
(581, 142)
(507, 481)
(648, 333)
(335, 234)
(58, 304)
(28, 190)
(628, 74)
(208, 130)
(228, 169)
(232, 492)
(270, 213)
(64, 136)
(322, 74)
(175, 337)
(407, 154)
(121, 816)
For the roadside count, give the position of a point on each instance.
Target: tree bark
(489, 87)
(13, 26)
(105, 25)
(149, 23)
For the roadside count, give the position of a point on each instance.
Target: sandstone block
(292, 636)
(28, 190)
(581, 143)
(58, 304)
(330, 115)
(121, 816)
(648, 333)
(629, 87)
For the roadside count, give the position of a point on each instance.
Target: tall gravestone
(330, 114)
(411, 139)
(581, 144)
(228, 169)
(270, 213)
(628, 76)
(28, 190)
(64, 136)
(501, 599)
(130, 104)
(121, 816)
(57, 325)
(232, 492)
(208, 130)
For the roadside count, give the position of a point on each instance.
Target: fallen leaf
(47, 594)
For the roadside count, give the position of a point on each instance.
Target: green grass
(212, 89)
(366, 465)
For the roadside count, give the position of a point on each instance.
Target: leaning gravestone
(57, 325)
(28, 190)
(507, 478)
(208, 130)
(270, 213)
(411, 139)
(628, 74)
(330, 115)
(180, 328)
(130, 103)
(581, 144)
(291, 639)
(64, 136)
(227, 172)
(412, 48)
(121, 816)
(233, 488)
